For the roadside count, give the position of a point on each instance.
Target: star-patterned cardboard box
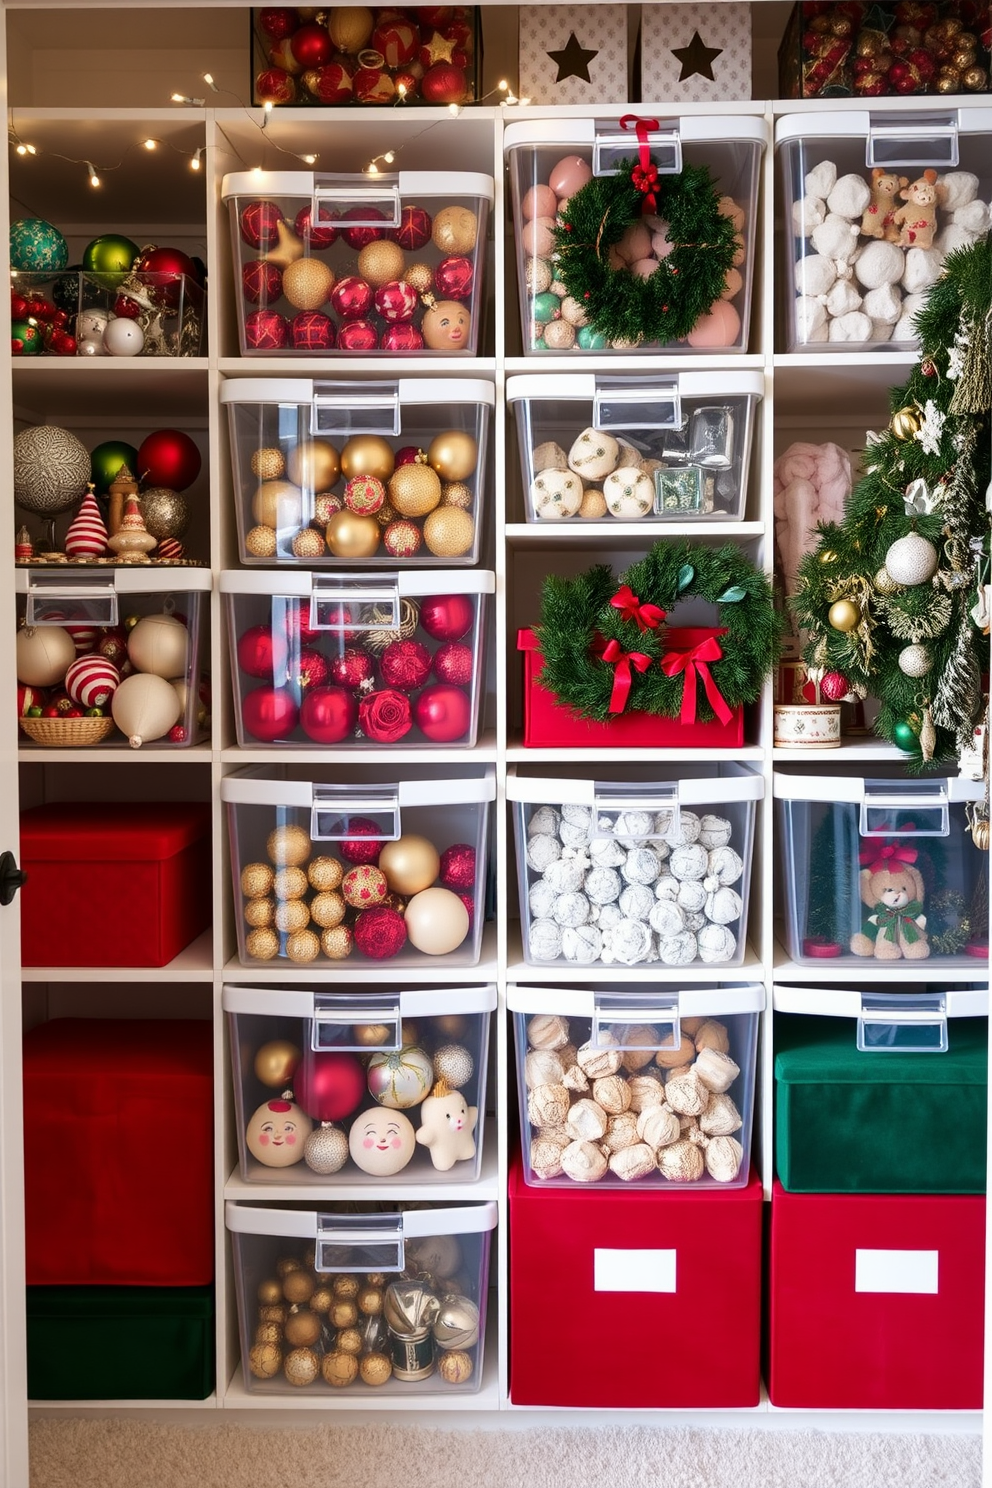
(574, 54)
(695, 53)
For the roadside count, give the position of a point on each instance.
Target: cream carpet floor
(130, 1454)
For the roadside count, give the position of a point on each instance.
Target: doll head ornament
(892, 889)
(446, 325)
(381, 1142)
(277, 1132)
(447, 1122)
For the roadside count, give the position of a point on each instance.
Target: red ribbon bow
(622, 660)
(645, 616)
(875, 858)
(645, 174)
(692, 663)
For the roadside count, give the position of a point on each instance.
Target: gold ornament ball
(367, 454)
(340, 1368)
(268, 1333)
(303, 946)
(410, 864)
(315, 464)
(375, 1369)
(261, 945)
(980, 834)
(269, 1290)
(455, 1366)
(419, 277)
(885, 583)
(321, 1300)
(974, 80)
(455, 230)
(436, 921)
(256, 880)
(324, 507)
(288, 845)
(307, 283)
(273, 1313)
(844, 615)
(298, 1285)
(905, 422)
(308, 544)
(370, 1035)
(260, 913)
(352, 537)
(349, 27)
(165, 513)
(370, 1301)
(378, 640)
(593, 505)
(287, 1264)
(265, 1360)
(449, 532)
(289, 883)
(301, 1367)
(325, 873)
(277, 503)
(343, 1313)
(337, 943)
(346, 1286)
(302, 1327)
(457, 493)
(381, 262)
(291, 915)
(261, 542)
(827, 557)
(328, 910)
(350, 1342)
(414, 490)
(454, 454)
(275, 1065)
(268, 463)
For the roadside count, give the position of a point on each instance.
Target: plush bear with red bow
(895, 927)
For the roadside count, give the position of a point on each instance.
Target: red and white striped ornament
(92, 681)
(84, 637)
(28, 697)
(170, 547)
(87, 535)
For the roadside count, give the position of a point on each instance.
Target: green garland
(577, 618)
(665, 306)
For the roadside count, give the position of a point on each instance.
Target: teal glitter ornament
(545, 307)
(36, 246)
(589, 339)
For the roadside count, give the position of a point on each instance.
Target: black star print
(697, 57)
(573, 60)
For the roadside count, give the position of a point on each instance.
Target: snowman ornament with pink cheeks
(381, 1141)
(447, 1122)
(277, 1132)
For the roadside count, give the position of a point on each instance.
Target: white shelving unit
(154, 197)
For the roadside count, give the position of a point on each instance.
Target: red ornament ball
(311, 45)
(453, 663)
(334, 83)
(364, 841)
(364, 495)
(168, 457)
(311, 330)
(403, 337)
(360, 237)
(266, 331)
(442, 713)
(312, 669)
(414, 230)
(164, 270)
(352, 298)
(834, 686)
(410, 454)
(260, 224)
(84, 637)
(269, 713)
(358, 335)
(380, 933)
(385, 717)
(402, 538)
(261, 282)
(32, 697)
(446, 617)
(296, 620)
(395, 39)
(328, 1084)
(469, 902)
(364, 886)
(319, 237)
(353, 667)
(113, 645)
(127, 309)
(407, 80)
(405, 664)
(444, 83)
(455, 278)
(328, 714)
(458, 866)
(373, 85)
(262, 653)
(396, 302)
(278, 21)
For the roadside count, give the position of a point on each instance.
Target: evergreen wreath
(596, 628)
(667, 304)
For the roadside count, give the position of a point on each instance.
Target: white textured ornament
(600, 1058)
(606, 852)
(547, 1031)
(717, 945)
(543, 1067)
(691, 895)
(715, 1070)
(723, 1157)
(544, 940)
(646, 1091)
(677, 950)
(571, 909)
(721, 1117)
(586, 1120)
(583, 1162)
(688, 862)
(633, 828)
(725, 865)
(723, 906)
(603, 885)
(642, 866)
(583, 944)
(556, 494)
(593, 455)
(567, 875)
(629, 494)
(714, 831)
(542, 851)
(541, 899)
(629, 943)
(543, 822)
(666, 919)
(633, 1162)
(636, 902)
(911, 560)
(610, 916)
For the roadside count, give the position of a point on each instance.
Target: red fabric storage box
(876, 1301)
(596, 1278)
(150, 861)
(548, 725)
(118, 1153)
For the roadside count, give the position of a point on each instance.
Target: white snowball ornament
(159, 645)
(879, 263)
(915, 661)
(807, 213)
(842, 299)
(849, 197)
(555, 494)
(853, 327)
(811, 319)
(123, 337)
(821, 179)
(145, 706)
(923, 266)
(958, 188)
(884, 304)
(836, 238)
(43, 654)
(911, 560)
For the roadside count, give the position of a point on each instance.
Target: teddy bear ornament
(892, 889)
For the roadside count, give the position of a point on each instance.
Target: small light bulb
(502, 85)
(22, 149)
(209, 80)
(179, 98)
(372, 169)
(401, 89)
(523, 102)
(94, 178)
(195, 162)
(309, 159)
(511, 98)
(389, 157)
(151, 144)
(454, 109)
(268, 105)
(256, 170)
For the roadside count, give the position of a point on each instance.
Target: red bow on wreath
(645, 616)
(644, 176)
(692, 663)
(622, 661)
(875, 859)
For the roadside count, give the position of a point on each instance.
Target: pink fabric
(811, 484)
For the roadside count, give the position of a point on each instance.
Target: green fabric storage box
(120, 1343)
(881, 1119)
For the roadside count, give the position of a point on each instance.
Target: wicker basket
(67, 733)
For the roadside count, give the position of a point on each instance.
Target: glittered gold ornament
(301, 1367)
(346, 1286)
(292, 915)
(410, 863)
(339, 1368)
(308, 544)
(827, 557)
(905, 422)
(370, 1300)
(268, 463)
(449, 532)
(261, 944)
(165, 512)
(273, 1313)
(455, 230)
(265, 1360)
(381, 262)
(371, 1035)
(269, 1333)
(287, 250)
(303, 946)
(337, 943)
(287, 1264)
(298, 1286)
(321, 1300)
(455, 1367)
(315, 464)
(270, 1290)
(349, 1341)
(419, 276)
(289, 883)
(378, 640)
(325, 873)
(367, 454)
(277, 503)
(593, 505)
(343, 1313)
(974, 79)
(307, 283)
(302, 1327)
(375, 1369)
(457, 493)
(844, 615)
(884, 582)
(328, 910)
(256, 880)
(275, 1065)
(414, 490)
(454, 454)
(352, 537)
(325, 1150)
(260, 542)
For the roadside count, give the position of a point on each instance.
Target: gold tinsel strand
(973, 393)
(926, 627)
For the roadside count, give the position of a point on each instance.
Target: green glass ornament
(29, 337)
(904, 737)
(108, 257)
(545, 307)
(590, 340)
(107, 459)
(539, 344)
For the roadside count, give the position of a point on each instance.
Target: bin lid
(409, 183)
(304, 583)
(739, 784)
(858, 122)
(78, 581)
(474, 1219)
(694, 1002)
(84, 832)
(854, 788)
(245, 788)
(692, 129)
(822, 1051)
(583, 385)
(410, 391)
(413, 1002)
(842, 1002)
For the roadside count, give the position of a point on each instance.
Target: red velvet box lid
(134, 1048)
(105, 831)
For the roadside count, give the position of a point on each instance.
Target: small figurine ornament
(446, 325)
(896, 925)
(447, 1123)
(277, 1132)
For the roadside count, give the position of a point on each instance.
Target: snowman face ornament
(277, 1132)
(381, 1142)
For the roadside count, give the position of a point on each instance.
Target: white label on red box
(896, 1271)
(634, 1271)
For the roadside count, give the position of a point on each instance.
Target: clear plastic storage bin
(635, 872)
(550, 159)
(111, 656)
(359, 1087)
(672, 447)
(338, 264)
(358, 870)
(881, 869)
(374, 1297)
(649, 1085)
(166, 311)
(336, 472)
(872, 204)
(353, 661)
